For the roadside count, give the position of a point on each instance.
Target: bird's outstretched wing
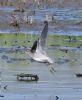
(42, 39)
(39, 45)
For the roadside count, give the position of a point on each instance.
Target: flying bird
(37, 51)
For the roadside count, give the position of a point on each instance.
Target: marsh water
(63, 82)
(64, 47)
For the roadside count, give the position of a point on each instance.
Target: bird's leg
(52, 70)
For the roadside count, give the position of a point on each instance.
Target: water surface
(63, 82)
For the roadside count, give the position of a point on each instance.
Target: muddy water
(62, 83)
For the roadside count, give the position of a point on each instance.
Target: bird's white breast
(41, 57)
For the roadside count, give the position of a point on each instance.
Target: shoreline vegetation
(27, 40)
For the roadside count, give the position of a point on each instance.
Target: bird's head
(45, 22)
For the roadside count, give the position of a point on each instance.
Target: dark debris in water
(57, 97)
(64, 50)
(1, 95)
(53, 45)
(4, 57)
(5, 87)
(79, 75)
